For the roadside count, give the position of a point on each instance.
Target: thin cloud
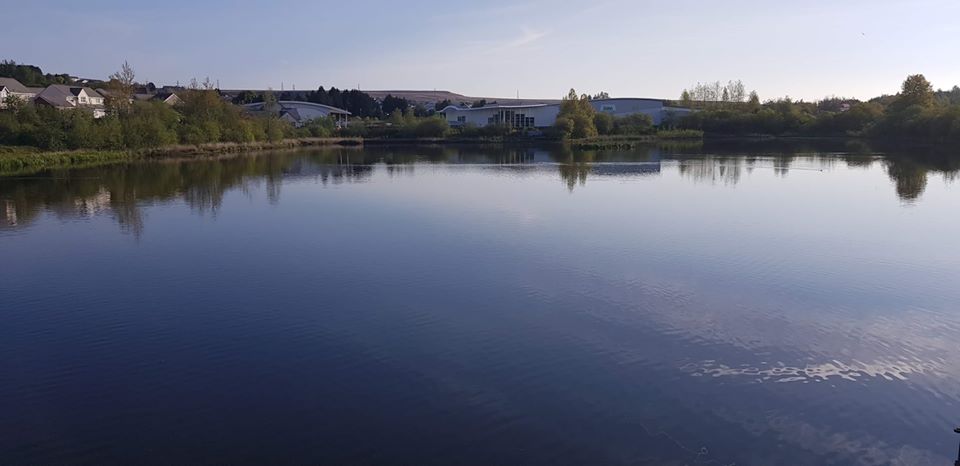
(528, 37)
(526, 40)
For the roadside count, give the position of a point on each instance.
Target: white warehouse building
(545, 115)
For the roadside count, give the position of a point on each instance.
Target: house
(10, 87)
(168, 98)
(545, 115)
(298, 113)
(64, 97)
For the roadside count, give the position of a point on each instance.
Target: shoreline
(18, 160)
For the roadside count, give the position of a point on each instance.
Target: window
(608, 108)
(83, 100)
(462, 119)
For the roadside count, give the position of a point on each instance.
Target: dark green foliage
(31, 76)
(356, 102)
(604, 123)
(202, 118)
(439, 106)
(489, 131)
(917, 113)
(431, 128)
(633, 125)
(391, 104)
(399, 125)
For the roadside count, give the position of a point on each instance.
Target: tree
(638, 123)
(479, 103)
(576, 117)
(439, 106)
(754, 101)
(121, 88)
(601, 95)
(916, 90)
(685, 98)
(735, 91)
(391, 104)
(604, 123)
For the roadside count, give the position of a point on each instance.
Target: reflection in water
(201, 184)
(412, 303)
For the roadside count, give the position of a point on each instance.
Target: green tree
(604, 123)
(916, 90)
(576, 117)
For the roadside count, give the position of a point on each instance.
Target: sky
(493, 48)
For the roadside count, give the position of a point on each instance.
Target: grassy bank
(15, 160)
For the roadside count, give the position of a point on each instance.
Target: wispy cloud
(527, 40)
(528, 37)
(484, 13)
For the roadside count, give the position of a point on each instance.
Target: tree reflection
(909, 170)
(910, 179)
(122, 190)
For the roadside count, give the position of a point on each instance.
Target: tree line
(30, 75)
(202, 117)
(356, 102)
(917, 113)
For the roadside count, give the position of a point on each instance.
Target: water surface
(427, 305)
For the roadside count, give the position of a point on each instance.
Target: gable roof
(164, 96)
(59, 95)
(13, 85)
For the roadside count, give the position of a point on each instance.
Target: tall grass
(14, 160)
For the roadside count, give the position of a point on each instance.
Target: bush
(636, 124)
(431, 127)
(604, 123)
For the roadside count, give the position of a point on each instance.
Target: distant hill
(425, 98)
(430, 97)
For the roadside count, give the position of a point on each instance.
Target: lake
(728, 303)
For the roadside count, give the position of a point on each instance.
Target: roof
(164, 95)
(58, 94)
(257, 106)
(292, 112)
(13, 85)
(495, 107)
(628, 98)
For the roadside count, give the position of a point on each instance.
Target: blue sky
(808, 50)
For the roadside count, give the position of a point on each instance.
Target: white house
(10, 87)
(299, 113)
(66, 97)
(545, 115)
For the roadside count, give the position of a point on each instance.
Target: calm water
(716, 305)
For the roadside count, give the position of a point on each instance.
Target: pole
(957, 462)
